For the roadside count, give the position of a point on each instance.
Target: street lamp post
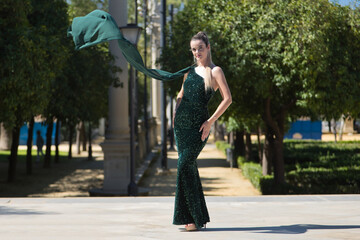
(132, 33)
(163, 93)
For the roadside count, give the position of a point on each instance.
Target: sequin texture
(190, 205)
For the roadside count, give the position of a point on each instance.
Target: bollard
(229, 156)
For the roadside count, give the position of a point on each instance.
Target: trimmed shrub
(222, 145)
(312, 167)
(253, 172)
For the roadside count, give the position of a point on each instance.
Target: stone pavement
(145, 218)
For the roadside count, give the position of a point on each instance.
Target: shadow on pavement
(19, 211)
(286, 229)
(212, 162)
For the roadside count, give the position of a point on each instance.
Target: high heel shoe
(190, 227)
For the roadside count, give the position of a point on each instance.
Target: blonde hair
(208, 80)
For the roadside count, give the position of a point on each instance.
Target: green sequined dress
(190, 206)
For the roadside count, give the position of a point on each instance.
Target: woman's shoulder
(216, 70)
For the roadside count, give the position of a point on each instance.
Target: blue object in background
(37, 126)
(304, 130)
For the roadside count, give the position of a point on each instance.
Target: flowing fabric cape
(99, 26)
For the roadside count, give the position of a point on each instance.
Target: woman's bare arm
(221, 84)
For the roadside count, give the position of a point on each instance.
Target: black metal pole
(132, 188)
(136, 87)
(171, 133)
(145, 83)
(163, 93)
(90, 146)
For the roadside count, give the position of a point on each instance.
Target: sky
(344, 2)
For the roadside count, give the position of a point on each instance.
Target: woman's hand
(173, 120)
(205, 128)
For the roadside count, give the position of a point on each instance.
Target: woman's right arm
(179, 97)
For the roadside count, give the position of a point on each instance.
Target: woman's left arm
(221, 84)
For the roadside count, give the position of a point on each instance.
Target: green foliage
(81, 92)
(222, 146)
(27, 62)
(282, 59)
(337, 57)
(22, 155)
(312, 167)
(82, 7)
(252, 171)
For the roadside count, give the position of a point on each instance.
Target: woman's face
(199, 49)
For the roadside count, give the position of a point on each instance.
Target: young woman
(192, 122)
(192, 125)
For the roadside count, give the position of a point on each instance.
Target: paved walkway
(145, 218)
(312, 217)
(217, 178)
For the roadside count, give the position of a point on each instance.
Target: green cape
(99, 26)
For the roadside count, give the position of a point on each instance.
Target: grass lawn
(22, 155)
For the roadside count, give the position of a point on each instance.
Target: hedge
(312, 167)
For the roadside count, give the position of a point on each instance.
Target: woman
(192, 127)
(192, 123)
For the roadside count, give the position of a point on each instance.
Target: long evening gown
(190, 206)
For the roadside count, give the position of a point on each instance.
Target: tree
(29, 147)
(26, 71)
(50, 20)
(334, 92)
(270, 52)
(89, 75)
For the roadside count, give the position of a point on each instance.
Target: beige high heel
(190, 227)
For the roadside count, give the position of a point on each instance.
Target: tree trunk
(71, 133)
(231, 138)
(267, 157)
(83, 135)
(334, 129)
(259, 144)
(279, 169)
(13, 154)
(219, 132)
(47, 160)
(29, 147)
(342, 124)
(57, 132)
(239, 143)
(5, 137)
(78, 138)
(90, 147)
(248, 146)
(275, 127)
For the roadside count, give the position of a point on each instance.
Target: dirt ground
(74, 178)
(217, 178)
(69, 178)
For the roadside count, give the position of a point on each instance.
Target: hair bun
(201, 36)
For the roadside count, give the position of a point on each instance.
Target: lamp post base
(99, 192)
(133, 189)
